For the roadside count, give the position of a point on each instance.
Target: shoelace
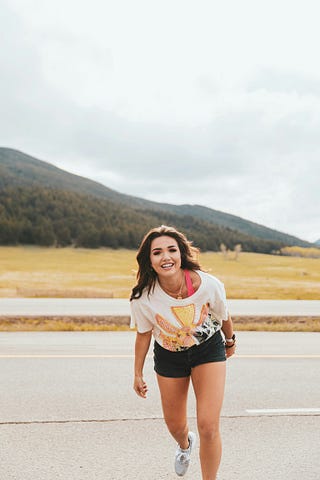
(182, 457)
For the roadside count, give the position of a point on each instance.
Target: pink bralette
(190, 288)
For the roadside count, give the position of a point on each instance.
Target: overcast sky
(209, 102)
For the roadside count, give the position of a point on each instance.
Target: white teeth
(167, 265)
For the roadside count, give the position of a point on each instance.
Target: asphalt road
(67, 409)
(118, 306)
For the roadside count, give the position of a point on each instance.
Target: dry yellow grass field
(71, 272)
(258, 276)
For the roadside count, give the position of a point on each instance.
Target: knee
(176, 428)
(208, 431)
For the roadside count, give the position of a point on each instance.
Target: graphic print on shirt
(189, 333)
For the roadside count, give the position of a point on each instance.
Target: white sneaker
(182, 457)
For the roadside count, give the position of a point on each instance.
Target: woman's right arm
(141, 349)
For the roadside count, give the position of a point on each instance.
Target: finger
(141, 390)
(142, 393)
(230, 351)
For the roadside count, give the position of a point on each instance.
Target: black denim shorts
(179, 364)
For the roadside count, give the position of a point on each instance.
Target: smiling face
(165, 256)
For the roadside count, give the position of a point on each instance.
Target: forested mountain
(42, 204)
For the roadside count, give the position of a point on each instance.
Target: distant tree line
(52, 217)
(300, 252)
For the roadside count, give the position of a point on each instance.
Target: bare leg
(208, 383)
(174, 392)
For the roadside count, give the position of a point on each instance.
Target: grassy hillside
(44, 216)
(19, 169)
(22, 174)
(239, 224)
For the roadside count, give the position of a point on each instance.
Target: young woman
(185, 310)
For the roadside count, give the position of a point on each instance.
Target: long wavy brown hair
(146, 276)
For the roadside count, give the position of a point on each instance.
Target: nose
(166, 255)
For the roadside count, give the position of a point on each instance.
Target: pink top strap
(190, 288)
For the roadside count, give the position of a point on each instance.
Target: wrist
(231, 340)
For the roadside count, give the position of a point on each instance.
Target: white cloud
(214, 103)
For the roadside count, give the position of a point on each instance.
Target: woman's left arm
(227, 328)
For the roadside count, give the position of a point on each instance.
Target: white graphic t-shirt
(179, 324)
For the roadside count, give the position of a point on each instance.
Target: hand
(140, 386)
(230, 350)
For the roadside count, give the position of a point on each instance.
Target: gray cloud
(256, 156)
(284, 81)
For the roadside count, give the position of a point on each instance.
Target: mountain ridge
(18, 169)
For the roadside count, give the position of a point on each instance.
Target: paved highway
(117, 306)
(67, 409)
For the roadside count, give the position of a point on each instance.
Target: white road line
(268, 411)
(43, 355)
(64, 356)
(279, 356)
